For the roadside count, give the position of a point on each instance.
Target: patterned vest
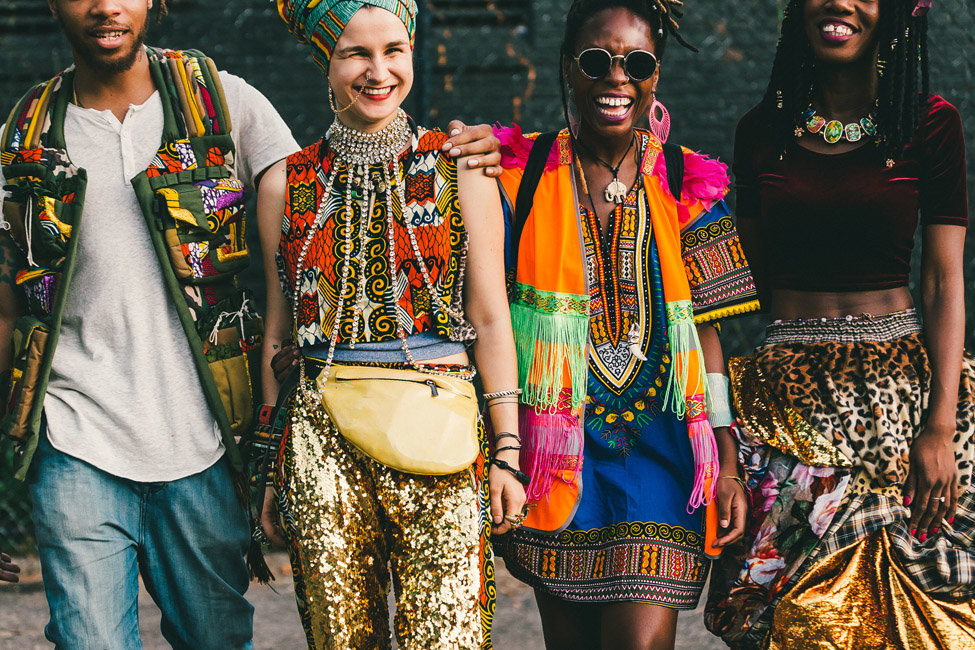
(194, 207)
(433, 210)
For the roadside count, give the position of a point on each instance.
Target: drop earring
(659, 118)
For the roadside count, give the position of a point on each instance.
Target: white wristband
(719, 413)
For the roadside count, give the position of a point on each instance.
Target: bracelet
(515, 447)
(505, 434)
(719, 413)
(495, 402)
(519, 475)
(502, 393)
(737, 480)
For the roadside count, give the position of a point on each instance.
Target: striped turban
(321, 22)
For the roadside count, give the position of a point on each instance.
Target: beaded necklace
(833, 130)
(357, 150)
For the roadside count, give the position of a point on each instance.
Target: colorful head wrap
(321, 22)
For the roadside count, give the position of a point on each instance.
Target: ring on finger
(941, 499)
(515, 520)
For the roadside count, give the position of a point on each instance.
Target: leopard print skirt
(865, 382)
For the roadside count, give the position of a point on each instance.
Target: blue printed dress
(632, 538)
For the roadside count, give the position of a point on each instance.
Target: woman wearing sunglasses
(857, 419)
(611, 274)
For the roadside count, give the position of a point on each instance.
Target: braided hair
(660, 15)
(902, 66)
(161, 10)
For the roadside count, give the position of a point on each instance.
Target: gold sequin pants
(351, 521)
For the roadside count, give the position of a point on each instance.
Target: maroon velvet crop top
(846, 222)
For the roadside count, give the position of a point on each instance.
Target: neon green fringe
(547, 344)
(683, 342)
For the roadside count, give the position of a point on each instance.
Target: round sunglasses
(595, 63)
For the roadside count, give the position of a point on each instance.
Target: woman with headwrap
(390, 263)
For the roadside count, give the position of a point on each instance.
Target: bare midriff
(789, 304)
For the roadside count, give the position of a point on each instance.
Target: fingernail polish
(914, 532)
(454, 132)
(924, 536)
(907, 501)
(454, 152)
(951, 521)
(473, 162)
(934, 531)
(724, 523)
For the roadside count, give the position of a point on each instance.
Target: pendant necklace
(616, 191)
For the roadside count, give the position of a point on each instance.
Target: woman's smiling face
(612, 105)
(371, 68)
(842, 32)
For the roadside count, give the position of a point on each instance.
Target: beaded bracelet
(502, 393)
(737, 480)
(519, 475)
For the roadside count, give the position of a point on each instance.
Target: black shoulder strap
(674, 157)
(529, 183)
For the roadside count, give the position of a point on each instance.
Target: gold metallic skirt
(827, 413)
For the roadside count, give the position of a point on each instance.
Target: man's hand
(476, 145)
(8, 570)
(284, 360)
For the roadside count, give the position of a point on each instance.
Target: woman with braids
(856, 418)
(390, 256)
(620, 245)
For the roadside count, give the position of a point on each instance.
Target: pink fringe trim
(551, 441)
(706, 466)
(705, 179)
(515, 148)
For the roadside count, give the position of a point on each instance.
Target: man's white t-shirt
(124, 394)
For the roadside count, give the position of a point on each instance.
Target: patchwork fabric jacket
(194, 207)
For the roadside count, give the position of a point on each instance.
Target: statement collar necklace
(833, 130)
(359, 148)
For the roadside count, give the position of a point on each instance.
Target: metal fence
(484, 61)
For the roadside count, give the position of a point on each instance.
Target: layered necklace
(357, 151)
(616, 191)
(834, 131)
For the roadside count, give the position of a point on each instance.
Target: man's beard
(99, 65)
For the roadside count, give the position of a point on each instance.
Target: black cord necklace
(615, 192)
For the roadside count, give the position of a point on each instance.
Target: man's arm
(11, 308)
(11, 302)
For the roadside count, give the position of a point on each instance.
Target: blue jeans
(97, 532)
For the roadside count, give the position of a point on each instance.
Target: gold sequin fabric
(859, 598)
(776, 423)
(352, 521)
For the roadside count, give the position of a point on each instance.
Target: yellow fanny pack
(410, 421)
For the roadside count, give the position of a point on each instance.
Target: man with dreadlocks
(856, 419)
(622, 262)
